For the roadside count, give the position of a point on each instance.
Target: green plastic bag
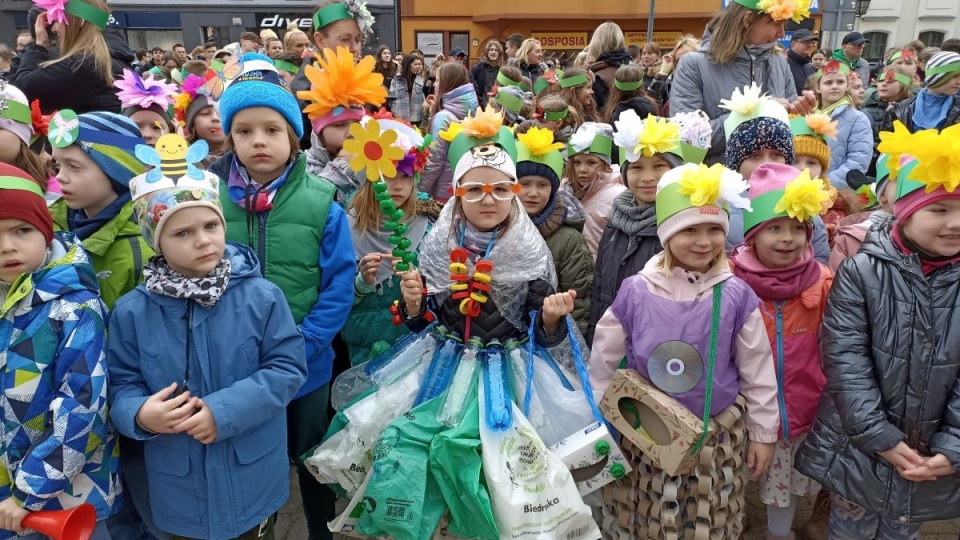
(455, 464)
(402, 499)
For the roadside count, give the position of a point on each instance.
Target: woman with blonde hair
(736, 52)
(608, 49)
(530, 60)
(296, 41)
(84, 62)
(659, 88)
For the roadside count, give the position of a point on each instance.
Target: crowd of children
(490, 304)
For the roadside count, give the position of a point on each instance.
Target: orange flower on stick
(373, 151)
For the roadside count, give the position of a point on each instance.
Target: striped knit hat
(941, 68)
(108, 138)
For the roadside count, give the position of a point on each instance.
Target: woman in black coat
(485, 71)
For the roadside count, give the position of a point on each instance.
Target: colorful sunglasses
(474, 192)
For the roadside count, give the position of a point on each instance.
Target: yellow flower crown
(937, 154)
(803, 197)
(659, 136)
(539, 141)
(701, 184)
(783, 10)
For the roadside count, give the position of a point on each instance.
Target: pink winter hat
(767, 185)
(338, 114)
(908, 204)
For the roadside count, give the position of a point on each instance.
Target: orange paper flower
(341, 83)
(822, 125)
(483, 124)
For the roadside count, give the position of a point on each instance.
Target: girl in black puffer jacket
(886, 441)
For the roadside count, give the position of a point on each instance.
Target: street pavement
(291, 524)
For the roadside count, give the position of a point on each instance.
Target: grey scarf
(376, 242)
(631, 218)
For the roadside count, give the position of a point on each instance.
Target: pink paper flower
(191, 84)
(138, 92)
(55, 10)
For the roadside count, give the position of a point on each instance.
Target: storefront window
(148, 39)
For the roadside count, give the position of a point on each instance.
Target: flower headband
(815, 125)
(938, 155)
(188, 92)
(648, 137)
(136, 91)
(345, 9)
(779, 10)
(341, 82)
(57, 11)
(690, 186)
(803, 198)
(890, 76)
(833, 66)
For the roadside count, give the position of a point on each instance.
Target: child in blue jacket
(57, 449)
(302, 238)
(203, 359)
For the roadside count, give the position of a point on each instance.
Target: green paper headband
(671, 202)
(509, 101)
(503, 80)
(905, 185)
(85, 11)
(552, 159)
(462, 144)
(763, 209)
(283, 65)
(16, 111)
(541, 85)
(601, 144)
(899, 77)
(330, 14)
(843, 68)
(947, 68)
(896, 56)
(574, 81)
(883, 170)
(799, 128)
(687, 152)
(556, 115)
(624, 86)
(215, 65)
(12, 182)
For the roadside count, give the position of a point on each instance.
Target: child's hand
(411, 287)
(556, 307)
(902, 457)
(11, 514)
(201, 426)
(369, 264)
(759, 457)
(931, 469)
(161, 414)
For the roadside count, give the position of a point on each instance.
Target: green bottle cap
(617, 470)
(602, 448)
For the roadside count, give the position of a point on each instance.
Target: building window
(877, 46)
(932, 38)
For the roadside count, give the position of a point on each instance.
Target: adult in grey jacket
(701, 80)
(891, 353)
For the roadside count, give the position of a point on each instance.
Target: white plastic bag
(531, 491)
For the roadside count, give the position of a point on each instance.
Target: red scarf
(776, 284)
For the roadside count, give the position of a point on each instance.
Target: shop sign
(430, 43)
(284, 20)
(665, 40)
(561, 40)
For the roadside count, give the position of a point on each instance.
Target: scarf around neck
(206, 291)
(930, 109)
(378, 241)
(928, 263)
(247, 193)
(631, 218)
(85, 227)
(776, 284)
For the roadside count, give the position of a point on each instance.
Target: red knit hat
(23, 199)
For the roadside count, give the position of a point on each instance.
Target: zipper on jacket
(781, 394)
(186, 355)
(262, 240)
(753, 63)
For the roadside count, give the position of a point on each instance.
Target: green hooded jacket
(117, 250)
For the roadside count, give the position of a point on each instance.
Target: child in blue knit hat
(95, 152)
(302, 238)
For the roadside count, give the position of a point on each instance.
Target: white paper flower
(695, 128)
(584, 136)
(744, 101)
(733, 189)
(627, 136)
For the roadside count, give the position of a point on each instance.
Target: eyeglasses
(474, 192)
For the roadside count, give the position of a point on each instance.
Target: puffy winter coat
(891, 352)
(572, 259)
(700, 83)
(57, 448)
(57, 85)
(246, 362)
(598, 206)
(437, 177)
(852, 149)
(117, 251)
(619, 256)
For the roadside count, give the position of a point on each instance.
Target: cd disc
(675, 367)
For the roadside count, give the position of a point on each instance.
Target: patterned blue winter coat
(57, 449)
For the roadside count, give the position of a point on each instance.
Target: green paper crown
(905, 185)
(687, 152)
(462, 144)
(552, 159)
(799, 128)
(763, 209)
(671, 202)
(601, 144)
